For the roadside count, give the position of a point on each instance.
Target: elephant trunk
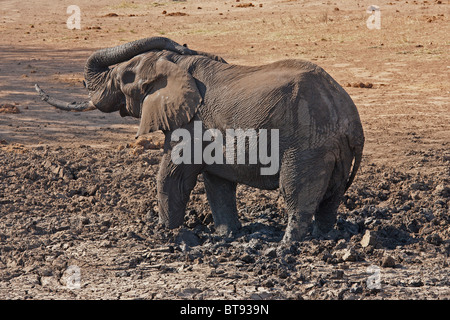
(98, 63)
(104, 94)
(63, 105)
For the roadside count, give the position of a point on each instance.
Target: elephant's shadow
(267, 232)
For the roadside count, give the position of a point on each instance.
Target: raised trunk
(99, 62)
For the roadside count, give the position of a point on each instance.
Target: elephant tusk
(74, 106)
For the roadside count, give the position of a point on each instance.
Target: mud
(96, 209)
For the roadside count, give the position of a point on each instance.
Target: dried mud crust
(96, 208)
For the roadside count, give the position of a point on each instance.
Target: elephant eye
(128, 77)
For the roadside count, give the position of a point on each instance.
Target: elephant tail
(357, 149)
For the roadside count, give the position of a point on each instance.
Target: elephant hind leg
(221, 195)
(326, 214)
(304, 179)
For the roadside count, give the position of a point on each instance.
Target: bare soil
(76, 189)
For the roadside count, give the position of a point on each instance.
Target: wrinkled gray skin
(169, 86)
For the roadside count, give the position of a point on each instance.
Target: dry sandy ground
(75, 190)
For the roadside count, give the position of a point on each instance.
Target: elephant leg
(326, 214)
(304, 179)
(221, 195)
(175, 183)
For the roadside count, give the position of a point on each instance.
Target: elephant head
(138, 79)
(155, 89)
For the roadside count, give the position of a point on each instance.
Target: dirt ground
(78, 209)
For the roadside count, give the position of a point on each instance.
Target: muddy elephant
(309, 123)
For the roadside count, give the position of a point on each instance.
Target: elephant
(171, 87)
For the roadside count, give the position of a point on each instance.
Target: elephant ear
(172, 98)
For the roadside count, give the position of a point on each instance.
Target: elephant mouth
(123, 111)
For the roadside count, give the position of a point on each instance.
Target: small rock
(369, 239)
(283, 273)
(350, 255)
(388, 262)
(8, 108)
(46, 272)
(269, 284)
(341, 244)
(247, 258)
(190, 291)
(56, 169)
(326, 256)
(271, 253)
(442, 191)
(46, 164)
(254, 245)
(356, 288)
(133, 235)
(49, 281)
(418, 186)
(92, 190)
(261, 296)
(415, 195)
(416, 283)
(413, 226)
(105, 244)
(32, 175)
(433, 238)
(122, 273)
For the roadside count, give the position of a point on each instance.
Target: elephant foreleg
(221, 195)
(175, 183)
